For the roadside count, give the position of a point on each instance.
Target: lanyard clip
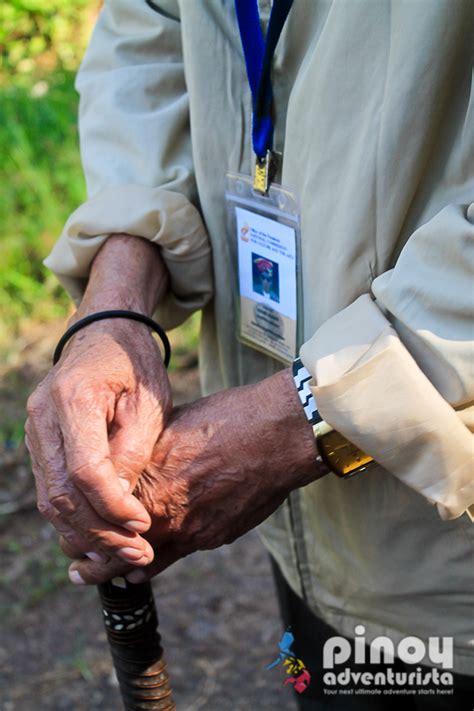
(265, 169)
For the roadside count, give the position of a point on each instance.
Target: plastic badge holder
(268, 279)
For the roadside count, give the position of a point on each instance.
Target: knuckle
(71, 545)
(102, 540)
(34, 405)
(81, 473)
(60, 387)
(28, 429)
(65, 546)
(45, 510)
(64, 503)
(69, 537)
(28, 438)
(81, 469)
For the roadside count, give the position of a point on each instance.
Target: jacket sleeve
(395, 374)
(136, 154)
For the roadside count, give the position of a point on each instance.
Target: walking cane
(131, 623)
(130, 616)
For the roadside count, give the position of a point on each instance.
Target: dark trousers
(310, 634)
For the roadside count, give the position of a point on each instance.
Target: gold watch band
(341, 456)
(335, 452)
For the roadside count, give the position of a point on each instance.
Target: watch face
(343, 457)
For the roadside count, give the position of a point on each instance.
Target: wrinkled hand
(221, 466)
(92, 425)
(95, 418)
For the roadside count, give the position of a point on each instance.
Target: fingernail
(125, 484)
(96, 557)
(76, 578)
(136, 576)
(130, 553)
(136, 526)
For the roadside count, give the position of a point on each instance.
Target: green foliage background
(46, 34)
(41, 44)
(41, 182)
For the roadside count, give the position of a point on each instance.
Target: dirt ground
(218, 614)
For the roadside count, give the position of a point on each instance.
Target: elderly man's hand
(94, 420)
(221, 466)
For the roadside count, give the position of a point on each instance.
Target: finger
(47, 510)
(87, 572)
(164, 558)
(42, 501)
(46, 445)
(105, 537)
(83, 421)
(169, 553)
(77, 551)
(133, 434)
(70, 542)
(72, 516)
(99, 541)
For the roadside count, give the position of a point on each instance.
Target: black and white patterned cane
(131, 623)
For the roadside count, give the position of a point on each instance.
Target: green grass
(41, 183)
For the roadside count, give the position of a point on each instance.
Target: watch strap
(335, 452)
(302, 376)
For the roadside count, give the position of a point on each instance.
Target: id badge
(266, 230)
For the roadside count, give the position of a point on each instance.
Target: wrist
(127, 273)
(119, 334)
(297, 438)
(110, 299)
(335, 452)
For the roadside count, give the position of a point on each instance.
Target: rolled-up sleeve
(395, 374)
(137, 157)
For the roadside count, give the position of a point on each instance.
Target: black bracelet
(100, 316)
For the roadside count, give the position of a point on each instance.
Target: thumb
(132, 437)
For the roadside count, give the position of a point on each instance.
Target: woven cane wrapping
(131, 623)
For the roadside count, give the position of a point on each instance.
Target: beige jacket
(375, 119)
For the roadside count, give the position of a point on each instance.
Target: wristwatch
(334, 450)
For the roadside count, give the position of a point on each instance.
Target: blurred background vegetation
(41, 44)
(41, 183)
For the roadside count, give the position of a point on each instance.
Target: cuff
(163, 217)
(368, 387)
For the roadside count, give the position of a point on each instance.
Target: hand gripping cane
(130, 617)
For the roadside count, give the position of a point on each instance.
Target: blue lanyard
(258, 54)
